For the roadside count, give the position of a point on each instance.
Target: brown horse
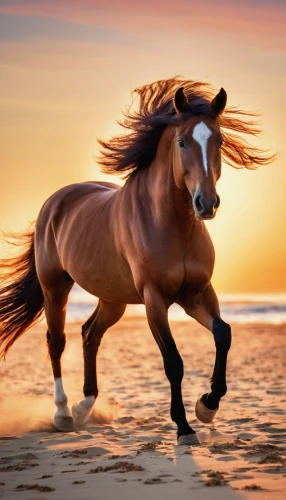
(145, 242)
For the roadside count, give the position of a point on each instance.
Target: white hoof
(63, 421)
(188, 440)
(81, 411)
(203, 413)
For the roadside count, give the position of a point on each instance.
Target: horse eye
(181, 143)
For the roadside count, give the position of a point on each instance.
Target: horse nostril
(217, 203)
(198, 203)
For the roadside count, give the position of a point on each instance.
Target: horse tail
(21, 296)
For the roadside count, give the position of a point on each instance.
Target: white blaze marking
(201, 134)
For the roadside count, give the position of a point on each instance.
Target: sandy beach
(128, 448)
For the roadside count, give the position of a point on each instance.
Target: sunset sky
(67, 69)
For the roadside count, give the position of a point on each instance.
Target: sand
(128, 449)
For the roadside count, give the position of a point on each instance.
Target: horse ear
(180, 101)
(219, 102)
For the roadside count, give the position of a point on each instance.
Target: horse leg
(157, 315)
(105, 315)
(55, 310)
(207, 313)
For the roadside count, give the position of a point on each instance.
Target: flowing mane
(131, 152)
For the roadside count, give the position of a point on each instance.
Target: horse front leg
(156, 310)
(207, 312)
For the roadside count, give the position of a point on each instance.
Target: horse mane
(131, 152)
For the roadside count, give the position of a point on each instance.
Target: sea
(235, 308)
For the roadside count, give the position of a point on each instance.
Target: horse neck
(169, 202)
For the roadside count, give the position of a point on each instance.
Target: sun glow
(61, 91)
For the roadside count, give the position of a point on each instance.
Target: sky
(67, 70)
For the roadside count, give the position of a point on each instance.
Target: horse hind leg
(56, 297)
(105, 315)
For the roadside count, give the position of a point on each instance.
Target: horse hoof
(80, 413)
(203, 413)
(63, 423)
(188, 440)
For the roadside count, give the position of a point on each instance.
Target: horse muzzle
(206, 208)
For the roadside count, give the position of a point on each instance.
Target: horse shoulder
(156, 262)
(200, 258)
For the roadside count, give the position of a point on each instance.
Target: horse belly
(108, 285)
(104, 274)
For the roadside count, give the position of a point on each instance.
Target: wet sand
(128, 448)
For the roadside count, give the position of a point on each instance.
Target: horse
(141, 243)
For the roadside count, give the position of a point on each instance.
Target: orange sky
(67, 69)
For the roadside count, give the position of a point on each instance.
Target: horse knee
(222, 334)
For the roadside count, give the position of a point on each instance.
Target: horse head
(197, 155)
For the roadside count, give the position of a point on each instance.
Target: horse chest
(173, 268)
(194, 274)
(197, 275)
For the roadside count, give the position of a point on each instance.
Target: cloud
(19, 28)
(263, 21)
(91, 34)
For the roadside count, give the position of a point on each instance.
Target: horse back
(65, 215)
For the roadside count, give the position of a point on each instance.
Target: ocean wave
(234, 308)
